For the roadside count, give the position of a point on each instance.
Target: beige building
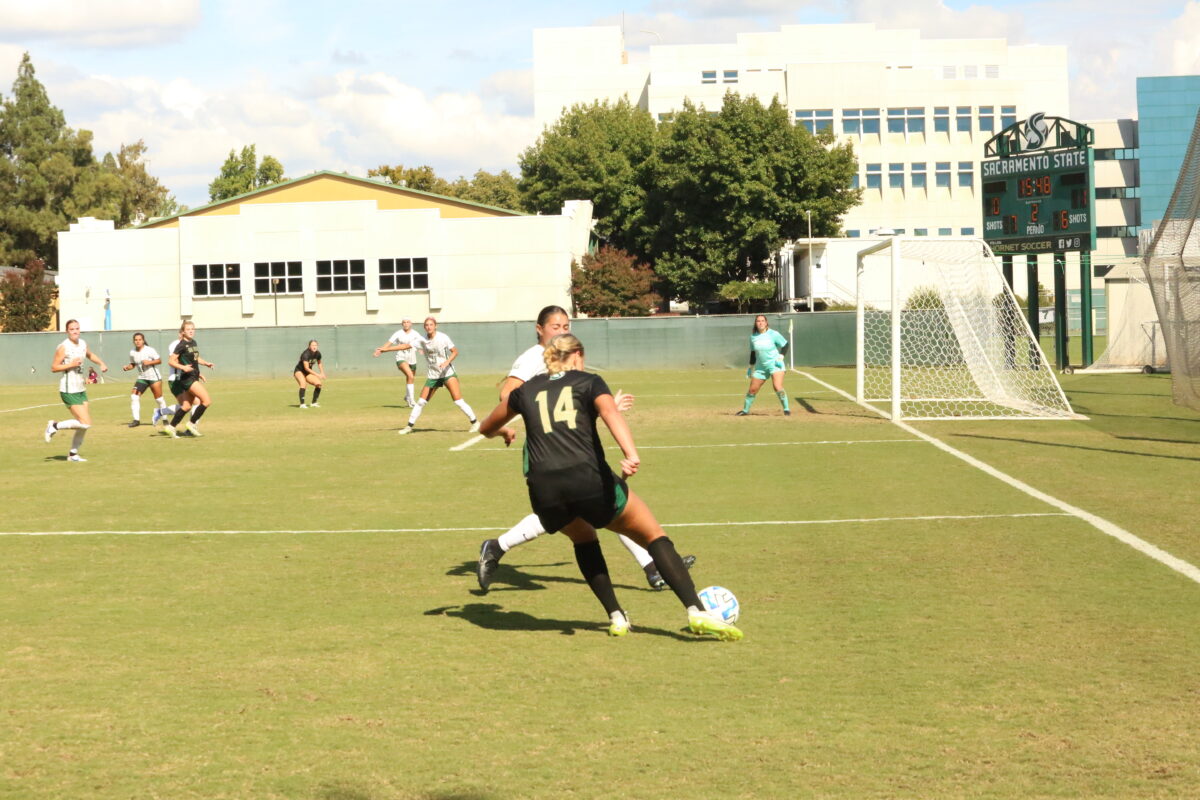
(325, 249)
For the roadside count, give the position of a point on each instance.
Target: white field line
(55, 405)
(469, 442)
(702, 446)
(742, 524)
(1184, 568)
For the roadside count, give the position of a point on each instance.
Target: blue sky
(358, 83)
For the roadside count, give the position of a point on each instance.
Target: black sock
(316, 394)
(301, 397)
(197, 413)
(595, 571)
(671, 567)
(178, 418)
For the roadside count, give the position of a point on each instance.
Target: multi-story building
(1166, 115)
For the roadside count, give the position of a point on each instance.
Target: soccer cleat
(191, 428)
(405, 430)
(302, 405)
(656, 581)
(742, 414)
(169, 430)
(787, 413)
(619, 624)
(76, 457)
(157, 416)
(50, 431)
(704, 623)
(316, 405)
(134, 423)
(474, 426)
(490, 554)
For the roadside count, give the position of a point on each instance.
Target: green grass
(1007, 657)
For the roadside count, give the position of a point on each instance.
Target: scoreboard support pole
(1032, 307)
(1006, 267)
(1061, 358)
(1085, 306)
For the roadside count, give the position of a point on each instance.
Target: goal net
(1135, 342)
(940, 335)
(1172, 265)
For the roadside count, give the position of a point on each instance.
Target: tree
(725, 191)
(747, 294)
(593, 152)
(612, 283)
(421, 178)
(499, 190)
(25, 299)
(243, 173)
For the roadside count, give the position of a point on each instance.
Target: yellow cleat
(619, 625)
(704, 623)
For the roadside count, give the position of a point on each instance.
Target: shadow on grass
(348, 791)
(1082, 447)
(516, 580)
(493, 617)
(807, 405)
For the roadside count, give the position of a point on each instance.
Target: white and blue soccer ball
(721, 602)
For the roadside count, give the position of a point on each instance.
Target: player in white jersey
(551, 321)
(439, 352)
(72, 388)
(145, 360)
(404, 343)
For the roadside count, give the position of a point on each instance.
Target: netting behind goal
(1172, 265)
(940, 335)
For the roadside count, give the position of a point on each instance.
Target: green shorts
(140, 385)
(763, 372)
(73, 398)
(437, 383)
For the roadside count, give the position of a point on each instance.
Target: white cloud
(937, 20)
(514, 88)
(113, 23)
(1179, 45)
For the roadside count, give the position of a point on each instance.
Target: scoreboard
(1039, 201)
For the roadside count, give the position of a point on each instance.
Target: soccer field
(287, 607)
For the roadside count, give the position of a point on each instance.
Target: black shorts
(185, 382)
(559, 497)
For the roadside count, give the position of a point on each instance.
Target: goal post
(939, 335)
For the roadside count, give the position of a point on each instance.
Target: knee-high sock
(416, 412)
(135, 405)
(77, 439)
(68, 424)
(408, 393)
(198, 412)
(301, 397)
(162, 403)
(783, 399)
(671, 567)
(749, 402)
(524, 531)
(316, 394)
(180, 413)
(636, 550)
(590, 559)
(466, 409)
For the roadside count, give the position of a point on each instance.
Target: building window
(860, 120)
(1117, 192)
(854, 181)
(277, 277)
(729, 76)
(1111, 154)
(874, 176)
(945, 231)
(403, 274)
(991, 71)
(1115, 231)
(918, 176)
(970, 72)
(966, 174)
(920, 231)
(906, 120)
(941, 119)
(962, 119)
(896, 176)
(987, 118)
(342, 276)
(216, 280)
(708, 76)
(819, 119)
(942, 175)
(1008, 116)
(967, 231)
(853, 234)
(949, 73)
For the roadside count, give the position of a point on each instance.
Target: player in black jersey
(187, 361)
(573, 490)
(310, 369)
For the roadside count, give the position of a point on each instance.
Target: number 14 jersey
(560, 422)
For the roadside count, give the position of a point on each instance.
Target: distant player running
(551, 321)
(572, 488)
(767, 348)
(404, 343)
(439, 352)
(68, 359)
(146, 360)
(186, 361)
(310, 370)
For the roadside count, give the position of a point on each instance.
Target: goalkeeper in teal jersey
(766, 362)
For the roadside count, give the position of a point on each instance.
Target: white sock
(524, 531)
(636, 550)
(416, 412)
(408, 393)
(466, 409)
(161, 402)
(135, 405)
(77, 439)
(68, 424)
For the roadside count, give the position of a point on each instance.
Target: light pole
(275, 294)
(808, 217)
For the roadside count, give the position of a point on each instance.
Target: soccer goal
(939, 335)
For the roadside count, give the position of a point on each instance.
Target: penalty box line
(732, 524)
(1184, 568)
(56, 405)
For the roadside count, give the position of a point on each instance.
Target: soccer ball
(721, 602)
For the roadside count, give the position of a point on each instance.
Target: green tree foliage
(49, 176)
(25, 299)
(594, 152)
(242, 173)
(747, 295)
(612, 283)
(422, 178)
(499, 190)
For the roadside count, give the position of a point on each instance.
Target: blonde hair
(558, 350)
